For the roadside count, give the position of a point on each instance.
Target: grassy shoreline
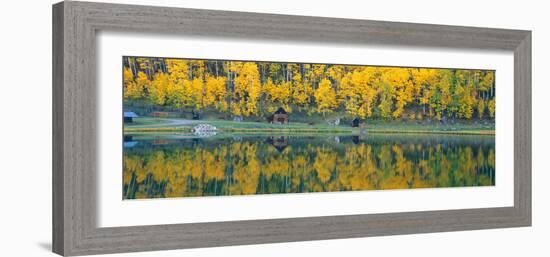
(148, 125)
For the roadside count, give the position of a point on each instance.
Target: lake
(160, 166)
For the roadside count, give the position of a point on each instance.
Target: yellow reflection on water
(255, 165)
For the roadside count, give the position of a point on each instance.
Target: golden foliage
(325, 96)
(247, 89)
(258, 88)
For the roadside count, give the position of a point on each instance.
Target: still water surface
(162, 167)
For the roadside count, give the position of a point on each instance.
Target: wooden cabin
(129, 117)
(280, 116)
(355, 122)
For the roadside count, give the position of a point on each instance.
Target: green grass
(459, 128)
(145, 125)
(145, 121)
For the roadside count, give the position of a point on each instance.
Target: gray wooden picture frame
(75, 25)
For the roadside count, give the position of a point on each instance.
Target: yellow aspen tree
(146, 66)
(283, 95)
(221, 94)
(467, 102)
(172, 94)
(402, 88)
(268, 90)
(386, 93)
(441, 95)
(348, 97)
(423, 82)
(336, 73)
(275, 71)
(198, 68)
(277, 95)
(209, 91)
(187, 83)
(325, 96)
(197, 84)
(466, 94)
(480, 108)
(178, 69)
(318, 72)
(386, 99)
(132, 90)
(357, 93)
(486, 82)
(350, 94)
(363, 79)
(247, 90)
(491, 107)
(180, 92)
(137, 90)
(157, 90)
(216, 93)
(179, 95)
(301, 91)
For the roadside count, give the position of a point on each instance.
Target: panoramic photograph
(206, 127)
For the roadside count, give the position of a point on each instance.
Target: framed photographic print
(182, 128)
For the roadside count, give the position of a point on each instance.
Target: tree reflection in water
(248, 165)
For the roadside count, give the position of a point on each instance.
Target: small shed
(355, 122)
(280, 116)
(196, 116)
(129, 117)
